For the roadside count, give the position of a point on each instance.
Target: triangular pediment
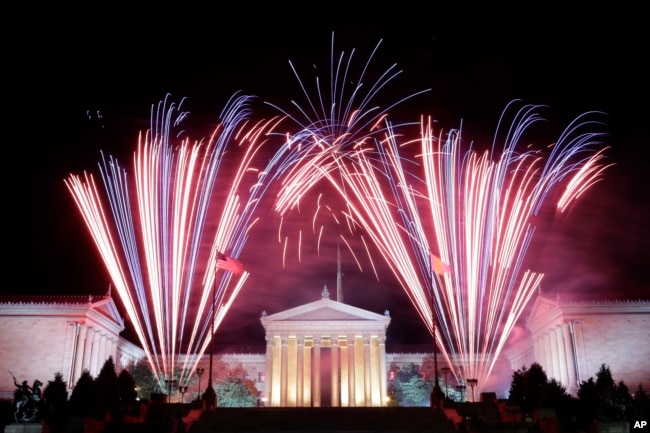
(326, 310)
(106, 307)
(541, 307)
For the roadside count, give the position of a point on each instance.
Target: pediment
(541, 307)
(106, 307)
(325, 310)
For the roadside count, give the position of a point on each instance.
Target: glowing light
(474, 210)
(152, 230)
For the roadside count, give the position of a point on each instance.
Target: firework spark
(475, 211)
(152, 230)
(342, 120)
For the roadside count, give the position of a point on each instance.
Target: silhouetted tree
(612, 398)
(623, 400)
(84, 400)
(108, 388)
(587, 404)
(55, 402)
(126, 385)
(127, 392)
(532, 389)
(603, 399)
(640, 406)
(526, 386)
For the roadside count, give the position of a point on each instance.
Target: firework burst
(340, 121)
(454, 226)
(164, 233)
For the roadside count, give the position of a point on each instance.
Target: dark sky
(63, 67)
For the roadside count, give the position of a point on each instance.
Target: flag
(438, 266)
(226, 263)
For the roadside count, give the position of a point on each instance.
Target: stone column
(538, 348)
(572, 383)
(300, 376)
(581, 359)
(284, 374)
(555, 365)
(375, 379)
(292, 371)
(307, 373)
(316, 373)
(80, 341)
(276, 391)
(382, 370)
(102, 353)
(351, 367)
(70, 346)
(268, 373)
(88, 347)
(336, 402)
(548, 362)
(561, 356)
(367, 377)
(359, 373)
(94, 354)
(345, 388)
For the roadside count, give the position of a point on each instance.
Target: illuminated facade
(326, 353)
(44, 335)
(572, 337)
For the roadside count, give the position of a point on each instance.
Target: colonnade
(90, 348)
(559, 351)
(354, 366)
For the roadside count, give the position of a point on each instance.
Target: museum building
(325, 353)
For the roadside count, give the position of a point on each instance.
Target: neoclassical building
(571, 337)
(326, 353)
(44, 335)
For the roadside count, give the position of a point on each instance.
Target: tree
(526, 386)
(55, 401)
(128, 394)
(408, 387)
(108, 388)
(416, 392)
(603, 399)
(84, 400)
(640, 406)
(234, 392)
(532, 389)
(145, 380)
(587, 403)
(555, 396)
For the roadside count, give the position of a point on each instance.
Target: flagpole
(436, 392)
(210, 396)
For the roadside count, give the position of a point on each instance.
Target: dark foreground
(323, 420)
(189, 418)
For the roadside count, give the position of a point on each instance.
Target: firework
(454, 224)
(342, 120)
(475, 210)
(164, 233)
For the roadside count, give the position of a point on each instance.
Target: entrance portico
(326, 353)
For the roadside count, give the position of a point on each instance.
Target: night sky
(81, 82)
